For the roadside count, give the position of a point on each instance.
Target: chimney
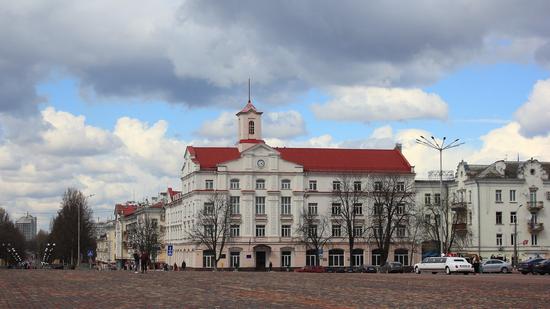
(398, 146)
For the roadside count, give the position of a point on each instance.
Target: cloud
(533, 116)
(200, 53)
(367, 104)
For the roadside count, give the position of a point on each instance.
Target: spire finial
(249, 89)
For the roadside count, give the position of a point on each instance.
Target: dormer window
(251, 127)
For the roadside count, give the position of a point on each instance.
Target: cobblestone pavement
(195, 289)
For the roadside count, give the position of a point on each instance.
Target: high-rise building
(27, 226)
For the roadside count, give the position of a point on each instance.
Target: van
(448, 265)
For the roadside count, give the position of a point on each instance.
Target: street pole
(516, 238)
(434, 144)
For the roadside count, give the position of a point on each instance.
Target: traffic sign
(90, 253)
(170, 250)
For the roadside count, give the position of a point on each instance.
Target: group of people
(141, 263)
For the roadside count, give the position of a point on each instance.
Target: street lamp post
(434, 144)
(516, 238)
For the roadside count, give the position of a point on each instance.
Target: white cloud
(367, 104)
(534, 115)
(223, 126)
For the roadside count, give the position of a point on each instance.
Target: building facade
(27, 226)
(268, 190)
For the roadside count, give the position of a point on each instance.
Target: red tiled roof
(172, 192)
(125, 210)
(251, 141)
(249, 108)
(316, 159)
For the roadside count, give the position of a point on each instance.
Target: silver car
(496, 266)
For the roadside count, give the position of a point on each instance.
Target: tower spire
(249, 89)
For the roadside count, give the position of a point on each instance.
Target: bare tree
(10, 238)
(145, 235)
(314, 231)
(349, 201)
(392, 206)
(212, 225)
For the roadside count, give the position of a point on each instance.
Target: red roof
(315, 159)
(125, 209)
(249, 108)
(172, 192)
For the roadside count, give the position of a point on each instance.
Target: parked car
(392, 267)
(369, 269)
(311, 269)
(542, 267)
(448, 265)
(496, 266)
(526, 267)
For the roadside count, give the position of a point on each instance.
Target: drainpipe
(478, 220)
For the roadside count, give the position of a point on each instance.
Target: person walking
(144, 261)
(183, 265)
(476, 264)
(136, 262)
(270, 266)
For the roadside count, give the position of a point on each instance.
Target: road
(196, 289)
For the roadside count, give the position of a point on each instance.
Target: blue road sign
(90, 253)
(170, 250)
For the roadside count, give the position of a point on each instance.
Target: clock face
(261, 163)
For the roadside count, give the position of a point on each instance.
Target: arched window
(336, 257)
(251, 127)
(375, 257)
(401, 255)
(357, 257)
(311, 257)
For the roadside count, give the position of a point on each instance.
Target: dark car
(370, 269)
(542, 267)
(392, 267)
(311, 269)
(527, 266)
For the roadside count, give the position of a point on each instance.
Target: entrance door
(260, 260)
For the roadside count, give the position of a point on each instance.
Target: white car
(448, 265)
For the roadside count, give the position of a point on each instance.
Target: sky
(104, 96)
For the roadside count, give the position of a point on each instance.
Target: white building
(500, 197)
(27, 226)
(268, 188)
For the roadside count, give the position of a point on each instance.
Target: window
(498, 196)
(400, 209)
(512, 195)
(208, 208)
(312, 231)
(437, 198)
(469, 217)
(285, 205)
(235, 230)
(235, 259)
(336, 230)
(534, 239)
(427, 199)
(208, 259)
(357, 257)
(513, 217)
(311, 257)
(285, 231)
(312, 209)
(234, 184)
(402, 256)
(260, 230)
(499, 239)
(260, 184)
(336, 257)
(356, 186)
(376, 257)
(377, 186)
(285, 184)
(358, 209)
(378, 232)
(285, 259)
(209, 184)
(357, 231)
(209, 229)
(512, 239)
(336, 208)
(313, 185)
(469, 196)
(234, 202)
(378, 209)
(499, 217)
(400, 187)
(335, 186)
(251, 127)
(533, 196)
(401, 231)
(260, 205)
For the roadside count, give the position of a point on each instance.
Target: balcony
(286, 217)
(535, 227)
(261, 217)
(535, 206)
(460, 228)
(458, 206)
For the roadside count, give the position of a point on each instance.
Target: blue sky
(104, 96)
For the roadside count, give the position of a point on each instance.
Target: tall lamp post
(439, 146)
(516, 238)
(78, 253)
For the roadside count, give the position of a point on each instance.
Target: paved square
(195, 289)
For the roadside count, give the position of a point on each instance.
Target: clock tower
(250, 127)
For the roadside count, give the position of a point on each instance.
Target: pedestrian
(476, 264)
(175, 267)
(144, 261)
(270, 266)
(136, 262)
(183, 265)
